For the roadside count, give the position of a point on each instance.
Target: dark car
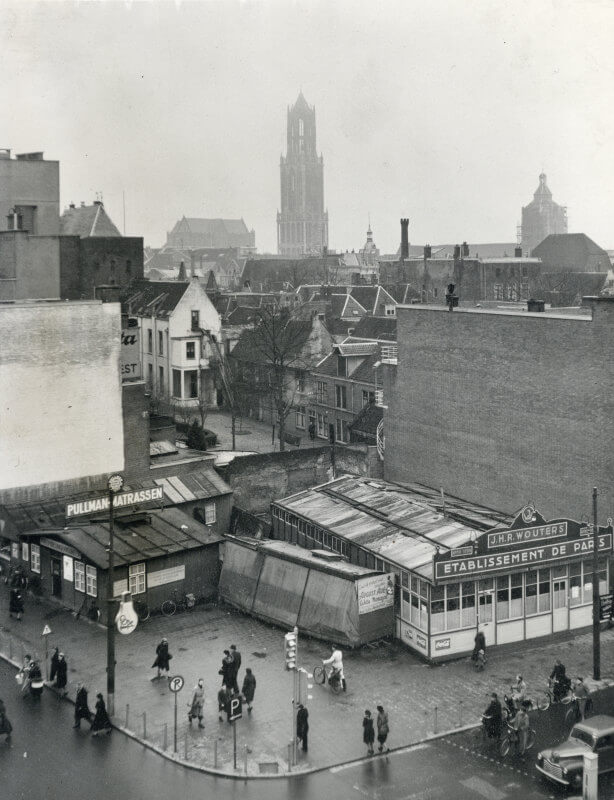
(564, 764)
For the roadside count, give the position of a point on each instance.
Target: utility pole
(596, 606)
(114, 484)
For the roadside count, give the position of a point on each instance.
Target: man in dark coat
(54, 664)
(236, 666)
(227, 669)
(62, 674)
(560, 681)
(16, 603)
(163, 658)
(101, 720)
(249, 688)
(302, 725)
(479, 644)
(492, 718)
(82, 710)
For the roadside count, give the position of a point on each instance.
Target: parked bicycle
(512, 740)
(322, 675)
(184, 603)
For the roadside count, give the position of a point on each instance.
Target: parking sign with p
(235, 708)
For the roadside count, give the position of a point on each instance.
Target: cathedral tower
(541, 217)
(302, 224)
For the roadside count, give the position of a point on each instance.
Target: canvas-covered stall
(321, 593)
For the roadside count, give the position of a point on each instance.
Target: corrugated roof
(396, 524)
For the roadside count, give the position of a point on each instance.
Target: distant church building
(541, 217)
(302, 224)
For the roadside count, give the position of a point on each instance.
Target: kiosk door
(560, 621)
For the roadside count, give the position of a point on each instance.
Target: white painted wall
(60, 392)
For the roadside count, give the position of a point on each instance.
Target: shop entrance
(56, 577)
(486, 611)
(559, 605)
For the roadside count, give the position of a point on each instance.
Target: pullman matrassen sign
(528, 543)
(96, 504)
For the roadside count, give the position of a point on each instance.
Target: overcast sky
(445, 112)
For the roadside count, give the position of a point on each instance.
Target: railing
(389, 352)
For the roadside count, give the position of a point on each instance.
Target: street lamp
(114, 485)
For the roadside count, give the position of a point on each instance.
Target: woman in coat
(101, 718)
(163, 658)
(227, 670)
(249, 688)
(368, 732)
(198, 701)
(61, 674)
(382, 727)
(82, 710)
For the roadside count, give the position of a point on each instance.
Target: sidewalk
(254, 435)
(409, 690)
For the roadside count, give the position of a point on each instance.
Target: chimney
(404, 238)
(72, 205)
(427, 251)
(518, 252)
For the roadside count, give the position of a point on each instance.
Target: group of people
(368, 730)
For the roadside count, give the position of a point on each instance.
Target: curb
(243, 777)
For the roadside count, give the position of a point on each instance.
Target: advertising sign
(126, 618)
(522, 546)
(67, 570)
(130, 358)
(95, 505)
(374, 593)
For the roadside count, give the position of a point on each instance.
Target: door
(560, 621)
(56, 577)
(486, 616)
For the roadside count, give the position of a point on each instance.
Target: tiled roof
(365, 372)
(207, 226)
(241, 315)
(368, 419)
(254, 345)
(145, 297)
(86, 221)
(376, 329)
(573, 251)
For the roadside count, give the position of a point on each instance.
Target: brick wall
(505, 408)
(135, 409)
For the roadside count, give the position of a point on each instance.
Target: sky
(444, 112)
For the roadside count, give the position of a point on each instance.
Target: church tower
(302, 224)
(541, 217)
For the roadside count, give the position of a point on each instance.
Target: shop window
(575, 584)
(25, 551)
(438, 609)
(136, 578)
(452, 606)
(405, 605)
(79, 576)
(516, 596)
(503, 597)
(531, 593)
(35, 558)
(544, 590)
(587, 579)
(404, 579)
(91, 581)
(467, 604)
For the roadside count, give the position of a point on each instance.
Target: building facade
(302, 224)
(541, 217)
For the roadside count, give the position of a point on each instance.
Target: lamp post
(596, 605)
(114, 485)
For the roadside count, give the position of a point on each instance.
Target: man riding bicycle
(559, 680)
(336, 663)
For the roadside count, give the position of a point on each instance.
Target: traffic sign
(46, 631)
(235, 709)
(175, 684)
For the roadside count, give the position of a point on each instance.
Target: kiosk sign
(522, 546)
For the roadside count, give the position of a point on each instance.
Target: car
(564, 764)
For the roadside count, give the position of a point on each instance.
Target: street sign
(175, 684)
(46, 631)
(235, 709)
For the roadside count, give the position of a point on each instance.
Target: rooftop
(86, 221)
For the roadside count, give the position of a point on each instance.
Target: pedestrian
(302, 726)
(163, 658)
(54, 664)
(521, 726)
(236, 666)
(101, 720)
(82, 710)
(227, 669)
(62, 675)
(224, 697)
(16, 603)
(382, 728)
(5, 724)
(312, 431)
(492, 718)
(479, 644)
(198, 701)
(249, 688)
(368, 732)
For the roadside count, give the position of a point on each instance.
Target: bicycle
(321, 675)
(541, 701)
(550, 696)
(574, 714)
(185, 603)
(512, 739)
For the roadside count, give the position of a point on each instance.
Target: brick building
(502, 408)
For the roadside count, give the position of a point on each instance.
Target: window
(176, 383)
(340, 396)
(537, 591)
(25, 551)
(368, 397)
(79, 576)
(161, 379)
(391, 311)
(321, 392)
(210, 515)
(195, 320)
(35, 558)
(136, 578)
(160, 343)
(498, 290)
(91, 581)
(300, 417)
(190, 350)
(149, 340)
(150, 375)
(192, 383)
(322, 432)
(452, 606)
(342, 431)
(300, 380)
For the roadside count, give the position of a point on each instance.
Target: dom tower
(302, 224)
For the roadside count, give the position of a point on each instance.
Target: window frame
(79, 576)
(137, 580)
(91, 580)
(190, 351)
(341, 399)
(210, 512)
(35, 558)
